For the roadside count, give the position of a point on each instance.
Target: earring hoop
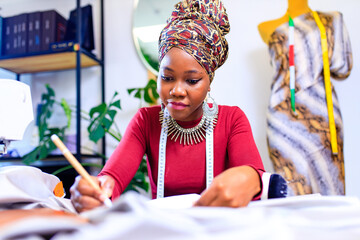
(210, 112)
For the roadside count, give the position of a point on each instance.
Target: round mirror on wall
(149, 19)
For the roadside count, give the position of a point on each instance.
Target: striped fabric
(299, 146)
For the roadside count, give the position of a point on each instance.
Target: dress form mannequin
(295, 8)
(299, 145)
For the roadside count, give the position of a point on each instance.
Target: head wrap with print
(199, 28)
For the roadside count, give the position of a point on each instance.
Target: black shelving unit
(78, 75)
(73, 58)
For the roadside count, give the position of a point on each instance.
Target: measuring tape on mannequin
(162, 155)
(292, 65)
(327, 82)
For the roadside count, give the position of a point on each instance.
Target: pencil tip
(107, 202)
(53, 137)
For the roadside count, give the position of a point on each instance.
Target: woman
(192, 146)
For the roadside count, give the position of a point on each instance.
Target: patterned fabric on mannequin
(299, 146)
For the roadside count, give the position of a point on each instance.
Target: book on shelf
(14, 34)
(2, 31)
(87, 31)
(53, 28)
(34, 32)
(22, 33)
(7, 38)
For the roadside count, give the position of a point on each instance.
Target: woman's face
(182, 85)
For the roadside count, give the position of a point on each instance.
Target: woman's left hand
(235, 187)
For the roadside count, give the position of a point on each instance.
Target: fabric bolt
(199, 28)
(299, 146)
(185, 164)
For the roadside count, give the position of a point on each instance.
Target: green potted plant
(45, 145)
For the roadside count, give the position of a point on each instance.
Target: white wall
(244, 80)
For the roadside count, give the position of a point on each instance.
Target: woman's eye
(166, 79)
(193, 81)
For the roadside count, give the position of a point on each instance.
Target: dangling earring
(162, 106)
(210, 112)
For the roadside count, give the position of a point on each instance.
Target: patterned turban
(199, 28)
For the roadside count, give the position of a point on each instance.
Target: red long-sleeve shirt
(185, 165)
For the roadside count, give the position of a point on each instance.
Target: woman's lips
(177, 105)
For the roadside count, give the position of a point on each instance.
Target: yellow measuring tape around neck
(328, 91)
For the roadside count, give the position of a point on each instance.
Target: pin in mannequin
(303, 125)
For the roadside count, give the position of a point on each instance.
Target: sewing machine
(16, 111)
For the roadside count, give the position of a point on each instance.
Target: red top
(185, 165)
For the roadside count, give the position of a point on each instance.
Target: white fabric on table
(303, 217)
(135, 217)
(26, 187)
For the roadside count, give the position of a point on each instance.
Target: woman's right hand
(84, 197)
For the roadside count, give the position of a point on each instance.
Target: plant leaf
(116, 104)
(153, 86)
(44, 152)
(106, 123)
(130, 90)
(102, 117)
(112, 114)
(147, 97)
(98, 109)
(138, 94)
(31, 156)
(67, 111)
(50, 90)
(96, 133)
